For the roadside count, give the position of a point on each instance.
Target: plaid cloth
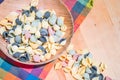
(79, 10)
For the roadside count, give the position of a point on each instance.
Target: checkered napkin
(79, 10)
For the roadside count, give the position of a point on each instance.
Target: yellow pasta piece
(69, 57)
(81, 70)
(47, 56)
(3, 22)
(63, 57)
(12, 16)
(67, 69)
(33, 45)
(102, 67)
(63, 28)
(25, 41)
(51, 39)
(77, 76)
(58, 65)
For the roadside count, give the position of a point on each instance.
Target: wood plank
(101, 34)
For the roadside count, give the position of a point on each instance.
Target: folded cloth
(79, 10)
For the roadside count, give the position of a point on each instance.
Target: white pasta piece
(53, 12)
(63, 33)
(77, 76)
(70, 47)
(34, 2)
(12, 40)
(2, 29)
(29, 50)
(53, 46)
(33, 45)
(27, 27)
(32, 14)
(74, 70)
(63, 28)
(37, 34)
(9, 49)
(56, 27)
(39, 42)
(47, 56)
(18, 30)
(63, 42)
(14, 48)
(53, 51)
(33, 30)
(51, 39)
(21, 51)
(37, 52)
(22, 48)
(25, 41)
(45, 24)
(29, 19)
(95, 78)
(40, 51)
(42, 58)
(71, 62)
(58, 47)
(22, 18)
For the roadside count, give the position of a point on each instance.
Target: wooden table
(100, 34)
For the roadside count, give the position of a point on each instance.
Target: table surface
(100, 34)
